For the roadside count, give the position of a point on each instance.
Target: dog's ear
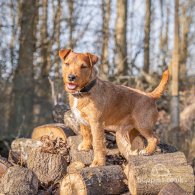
(92, 58)
(63, 53)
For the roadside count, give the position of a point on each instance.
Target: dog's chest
(77, 113)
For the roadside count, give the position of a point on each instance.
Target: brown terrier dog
(100, 105)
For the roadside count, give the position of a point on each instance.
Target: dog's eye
(83, 66)
(66, 64)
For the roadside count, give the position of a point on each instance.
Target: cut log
(19, 180)
(71, 122)
(53, 131)
(4, 165)
(75, 167)
(173, 189)
(21, 148)
(148, 174)
(112, 155)
(129, 143)
(76, 155)
(48, 167)
(95, 180)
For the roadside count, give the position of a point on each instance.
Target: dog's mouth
(71, 86)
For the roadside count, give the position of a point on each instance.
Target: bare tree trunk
(71, 23)
(20, 121)
(57, 38)
(175, 71)
(166, 38)
(44, 39)
(43, 105)
(147, 37)
(120, 38)
(13, 32)
(185, 28)
(161, 37)
(105, 29)
(164, 29)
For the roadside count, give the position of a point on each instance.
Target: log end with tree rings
(149, 174)
(53, 131)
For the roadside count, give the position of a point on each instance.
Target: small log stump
(21, 147)
(76, 155)
(129, 143)
(95, 180)
(75, 167)
(148, 174)
(71, 122)
(54, 131)
(48, 167)
(173, 189)
(19, 180)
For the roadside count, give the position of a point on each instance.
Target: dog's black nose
(71, 77)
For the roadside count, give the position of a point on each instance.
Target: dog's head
(77, 69)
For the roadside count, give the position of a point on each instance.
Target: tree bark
(148, 174)
(175, 71)
(147, 37)
(93, 181)
(19, 180)
(21, 118)
(71, 122)
(173, 189)
(105, 28)
(120, 38)
(47, 167)
(76, 155)
(4, 165)
(21, 148)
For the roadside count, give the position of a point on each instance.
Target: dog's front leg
(86, 144)
(97, 131)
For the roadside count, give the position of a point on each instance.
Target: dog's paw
(143, 152)
(97, 163)
(134, 152)
(84, 147)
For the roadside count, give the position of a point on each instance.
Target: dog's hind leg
(86, 144)
(151, 141)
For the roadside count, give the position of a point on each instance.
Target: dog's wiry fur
(108, 106)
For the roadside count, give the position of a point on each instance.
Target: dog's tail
(156, 94)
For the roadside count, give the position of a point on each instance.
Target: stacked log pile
(50, 163)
